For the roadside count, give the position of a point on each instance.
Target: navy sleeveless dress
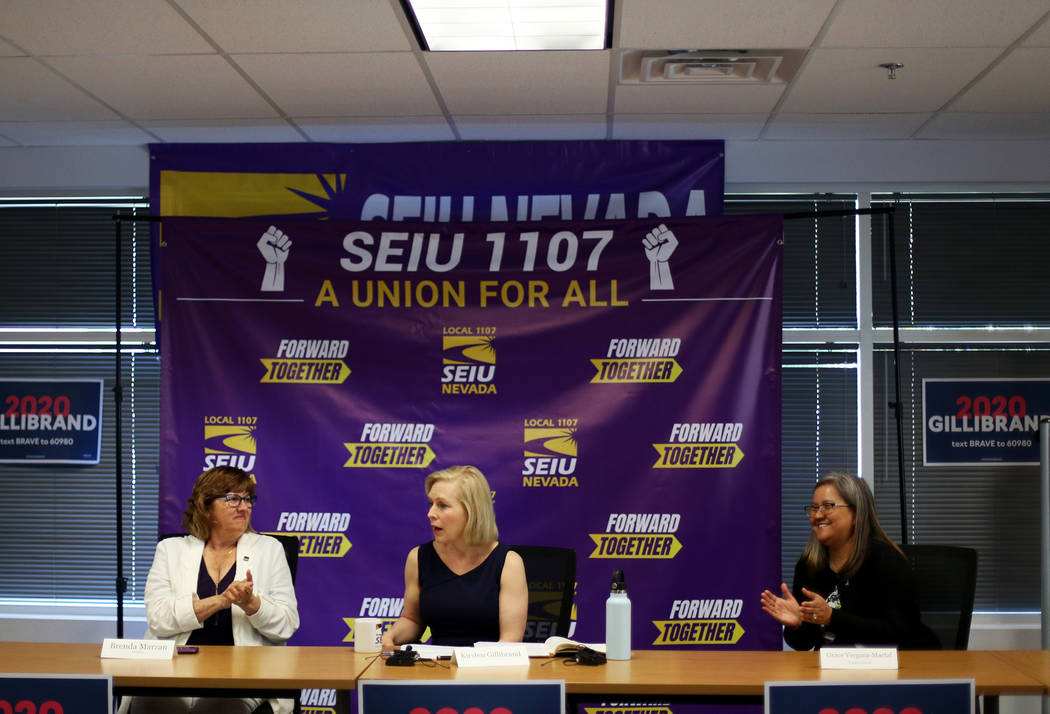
(217, 629)
(460, 609)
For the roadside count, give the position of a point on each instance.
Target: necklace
(223, 552)
(220, 557)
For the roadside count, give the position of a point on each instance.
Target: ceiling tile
(378, 129)
(718, 24)
(1041, 37)
(964, 125)
(9, 50)
(300, 26)
(688, 126)
(851, 81)
(931, 23)
(833, 127)
(541, 83)
(223, 130)
(519, 128)
(697, 98)
(1017, 84)
(72, 27)
(31, 92)
(317, 85)
(81, 133)
(170, 87)
(348, 70)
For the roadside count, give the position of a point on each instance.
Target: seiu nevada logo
(544, 611)
(468, 360)
(230, 441)
(701, 622)
(647, 536)
(550, 452)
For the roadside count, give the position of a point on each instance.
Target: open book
(551, 647)
(558, 646)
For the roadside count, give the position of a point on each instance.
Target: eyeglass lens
(233, 500)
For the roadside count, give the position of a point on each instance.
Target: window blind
(819, 382)
(964, 260)
(58, 522)
(820, 284)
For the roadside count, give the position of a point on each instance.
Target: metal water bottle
(618, 620)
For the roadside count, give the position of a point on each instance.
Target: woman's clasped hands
(242, 594)
(789, 612)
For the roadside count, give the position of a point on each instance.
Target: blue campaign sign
(915, 696)
(461, 697)
(983, 422)
(56, 694)
(50, 421)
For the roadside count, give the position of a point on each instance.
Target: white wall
(848, 165)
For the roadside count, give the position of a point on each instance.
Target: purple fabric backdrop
(622, 398)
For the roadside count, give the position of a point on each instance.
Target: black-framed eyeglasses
(826, 507)
(234, 500)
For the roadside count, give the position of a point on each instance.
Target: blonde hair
(213, 484)
(474, 493)
(866, 526)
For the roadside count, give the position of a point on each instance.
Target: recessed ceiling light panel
(478, 25)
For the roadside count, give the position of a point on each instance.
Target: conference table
(281, 671)
(735, 673)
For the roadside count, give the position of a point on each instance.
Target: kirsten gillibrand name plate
(113, 648)
(492, 655)
(858, 658)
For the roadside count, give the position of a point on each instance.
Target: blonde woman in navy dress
(464, 585)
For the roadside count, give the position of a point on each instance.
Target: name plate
(504, 655)
(112, 648)
(858, 658)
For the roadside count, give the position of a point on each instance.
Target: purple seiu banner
(440, 181)
(618, 382)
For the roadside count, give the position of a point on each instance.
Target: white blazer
(172, 584)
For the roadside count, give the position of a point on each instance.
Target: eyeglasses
(234, 501)
(826, 507)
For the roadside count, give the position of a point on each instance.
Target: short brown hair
(212, 484)
(476, 496)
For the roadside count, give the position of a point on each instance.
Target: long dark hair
(866, 526)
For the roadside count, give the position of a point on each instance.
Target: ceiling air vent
(709, 66)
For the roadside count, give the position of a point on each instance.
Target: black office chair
(551, 574)
(291, 550)
(945, 582)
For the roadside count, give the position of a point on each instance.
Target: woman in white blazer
(222, 584)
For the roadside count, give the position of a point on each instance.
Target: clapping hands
(242, 594)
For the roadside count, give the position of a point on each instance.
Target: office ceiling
(130, 72)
